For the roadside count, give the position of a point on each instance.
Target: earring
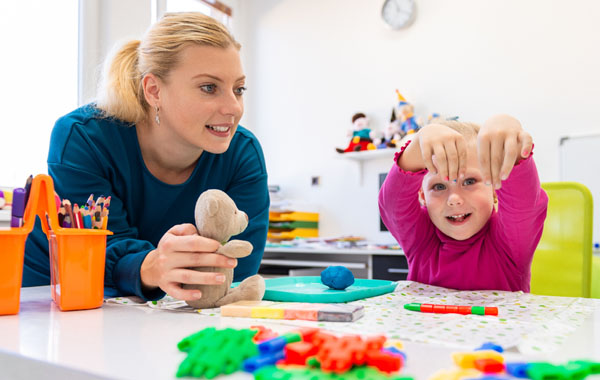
(156, 118)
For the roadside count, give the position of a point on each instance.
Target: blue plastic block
(517, 369)
(490, 346)
(257, 362)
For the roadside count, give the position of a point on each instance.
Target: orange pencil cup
(12, 252)
(77, 267)
(76, 255)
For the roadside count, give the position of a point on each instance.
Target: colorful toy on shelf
(337, 277)
(405, 112)
(391, 134)
(360, 135)
(288, 225)
(218, 218)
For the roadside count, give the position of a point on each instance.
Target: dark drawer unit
(393, 268)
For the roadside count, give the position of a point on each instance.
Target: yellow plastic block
(467, 359)
(267, 312)
(394, 343)
(287, 216)
(296, 232)
(455, 374)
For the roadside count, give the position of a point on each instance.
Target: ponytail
(120, 94)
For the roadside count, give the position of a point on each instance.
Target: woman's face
(201, 100)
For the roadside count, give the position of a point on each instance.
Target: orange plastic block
(262, 334)
(439, 309)
(452, 309)
(464, 309)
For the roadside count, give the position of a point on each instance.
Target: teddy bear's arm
(235, 248)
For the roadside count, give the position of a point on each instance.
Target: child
(456, 229)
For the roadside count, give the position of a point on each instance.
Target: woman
(163, 130)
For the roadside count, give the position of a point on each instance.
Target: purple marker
(18, 207)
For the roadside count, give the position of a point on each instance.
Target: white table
(138, 342)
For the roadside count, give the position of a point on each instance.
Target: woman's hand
(181, 248)
(444, 151)
(501, 144)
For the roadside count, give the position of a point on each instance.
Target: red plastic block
(384, 362)
(488, 365)
(464, 310)
(263, 334)
(298, 352)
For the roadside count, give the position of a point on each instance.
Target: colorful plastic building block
(212, 352)
(467, 359)
(488, 365)
(277, 344)
(517, 369)
(490, 346)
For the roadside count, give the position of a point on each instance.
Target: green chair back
(562, 264)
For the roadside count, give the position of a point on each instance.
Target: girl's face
(201, 100)
(459, 209)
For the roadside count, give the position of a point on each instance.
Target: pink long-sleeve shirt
(498, 257)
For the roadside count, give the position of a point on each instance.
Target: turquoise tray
(310, 289)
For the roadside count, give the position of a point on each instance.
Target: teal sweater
(89, 154)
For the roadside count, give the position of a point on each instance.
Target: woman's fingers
(174, 289)
(190, 243)
(194, 277)
(183, 229)
(191, 259)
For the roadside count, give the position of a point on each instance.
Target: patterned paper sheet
(533, 324)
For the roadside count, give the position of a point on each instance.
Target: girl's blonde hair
(467, 129)
(120, 93)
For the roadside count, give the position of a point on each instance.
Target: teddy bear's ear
(212, 206)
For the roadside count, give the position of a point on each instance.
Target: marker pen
(18, 208)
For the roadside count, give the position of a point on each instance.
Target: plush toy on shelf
(218, 218)
(391, 134)
(406, 115)
(360, 134)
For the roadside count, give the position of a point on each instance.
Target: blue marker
(18, 208)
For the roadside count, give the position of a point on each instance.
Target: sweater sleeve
(79, 168)
(522, 206)
(400, 209)
(250, 192)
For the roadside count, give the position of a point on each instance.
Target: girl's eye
(240, 90)
(469, 181)
(209, 88)
(438, 187)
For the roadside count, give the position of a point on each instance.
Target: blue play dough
(337, 277)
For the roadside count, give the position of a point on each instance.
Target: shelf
(367, 155)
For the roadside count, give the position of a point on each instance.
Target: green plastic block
(546, 371)
(479, 310)
(593, 367)
(576, 371)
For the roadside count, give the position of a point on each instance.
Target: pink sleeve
(522, 205)
(399, 205)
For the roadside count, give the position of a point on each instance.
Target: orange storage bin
(77, 256)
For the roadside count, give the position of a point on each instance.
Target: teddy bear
(218, 218)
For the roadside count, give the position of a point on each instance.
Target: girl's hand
(444, 151)
(181, 248)
(501, 144)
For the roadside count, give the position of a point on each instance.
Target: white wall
(312, 64)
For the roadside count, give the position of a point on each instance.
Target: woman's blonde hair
(120, 93)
